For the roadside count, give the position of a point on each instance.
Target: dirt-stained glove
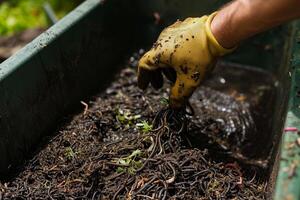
(185, 52)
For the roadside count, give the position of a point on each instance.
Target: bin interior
(111, 31)
(263, 57)
(258, 63)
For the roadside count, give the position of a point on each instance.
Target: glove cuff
(217, 49)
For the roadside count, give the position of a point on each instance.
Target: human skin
(210, 37)
(242, 19)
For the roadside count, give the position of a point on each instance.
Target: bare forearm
(244, 18)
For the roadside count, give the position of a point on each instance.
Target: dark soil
(110, 150)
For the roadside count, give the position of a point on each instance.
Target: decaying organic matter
(127, 144)
(158, 165)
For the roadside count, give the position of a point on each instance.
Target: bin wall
(288, 182)
(47, 79)
(77, 56)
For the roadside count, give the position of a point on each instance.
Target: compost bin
(78, 57)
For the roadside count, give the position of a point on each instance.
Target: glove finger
(170, 73)
(144, 77)
(157, 79)
(176, 97)
(181, 92)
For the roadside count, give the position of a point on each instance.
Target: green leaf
(135, 153)
(144, 126)
(137, 164)
(164, 101)
(131, 170)
(123, 161)
(69, 153)
(135, 117)
(125, 117)
(120, 170)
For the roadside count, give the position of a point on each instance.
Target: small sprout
(69, 153)
(131, 170)
(135, 117)
(124, 161)
(120, 118)
(135, 153)
(164, 101)
(144, 126)
(130, 163)
(125, 117)
(120, 170)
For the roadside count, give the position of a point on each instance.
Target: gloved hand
(190, 49)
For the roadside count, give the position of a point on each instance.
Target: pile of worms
(161, 165)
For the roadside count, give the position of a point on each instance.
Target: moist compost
(127, 144)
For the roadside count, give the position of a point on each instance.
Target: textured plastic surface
(288, 182)
(48, 78)
(78, 55)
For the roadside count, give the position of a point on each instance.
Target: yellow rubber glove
(185, 52)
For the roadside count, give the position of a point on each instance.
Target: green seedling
(144, 126)
(130, 163)
(125, 117)
(164, 101)
(121, 170)
(69, 153)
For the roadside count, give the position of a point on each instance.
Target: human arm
(191, 47)
(242, 19)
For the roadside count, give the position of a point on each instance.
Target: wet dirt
(106, 151)
(240, 101)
